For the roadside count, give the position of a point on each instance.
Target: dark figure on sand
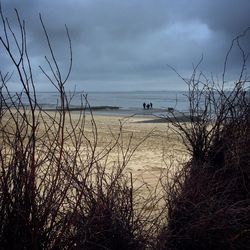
(147, 106)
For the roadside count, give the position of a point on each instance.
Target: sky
(128, 45)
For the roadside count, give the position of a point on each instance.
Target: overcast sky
(128, 44)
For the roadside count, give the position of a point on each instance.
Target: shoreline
(143, 116)
(152, 115)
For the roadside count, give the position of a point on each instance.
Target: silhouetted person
(151, 105)
(148, 106)
(144, 105)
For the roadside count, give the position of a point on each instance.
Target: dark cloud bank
(127, 45)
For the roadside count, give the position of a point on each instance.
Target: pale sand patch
(161, 149)
(162, 145)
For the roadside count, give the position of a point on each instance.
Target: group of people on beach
(147, 106)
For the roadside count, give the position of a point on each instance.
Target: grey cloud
(123, 44)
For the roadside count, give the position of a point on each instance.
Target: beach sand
(159, 146)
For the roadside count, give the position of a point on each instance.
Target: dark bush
(208, 200)
(58, 190)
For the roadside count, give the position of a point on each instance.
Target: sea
(118, 103)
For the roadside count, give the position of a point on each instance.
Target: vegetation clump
(208, 200)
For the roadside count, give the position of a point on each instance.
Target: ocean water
(125, 102)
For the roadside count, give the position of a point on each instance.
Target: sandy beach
(158, 143)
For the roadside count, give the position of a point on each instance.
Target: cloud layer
(127, 45)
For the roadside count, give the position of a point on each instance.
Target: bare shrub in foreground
(208, 200)
(58, 190)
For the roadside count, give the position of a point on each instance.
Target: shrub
(58, 190)
(208, 200)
